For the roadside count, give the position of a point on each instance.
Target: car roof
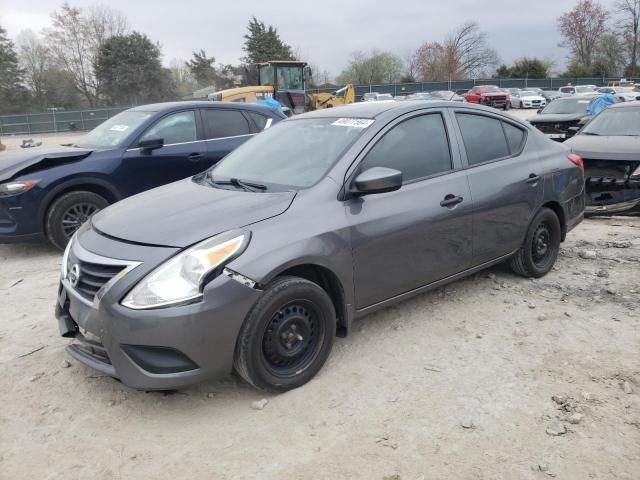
(628, 105)
(394, 109)
(168, 106)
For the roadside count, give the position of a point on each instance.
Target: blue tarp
(600, 103)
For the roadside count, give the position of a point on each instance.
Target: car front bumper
(20, 218)
(156, 349)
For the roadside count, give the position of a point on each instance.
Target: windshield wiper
(236, 182)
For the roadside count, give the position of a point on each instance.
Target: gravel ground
(491, 377)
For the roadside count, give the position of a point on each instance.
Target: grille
(92, 276)
(554, 127)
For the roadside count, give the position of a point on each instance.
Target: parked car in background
(420, 96)
(577, 90)
(447, 95)
(558, 117)
(377, 97)
(552, 95)
(527, 99)
(256, 264)
(488, 95)
(48, 192)
(623, 94)
(462, 91)
(610, 148)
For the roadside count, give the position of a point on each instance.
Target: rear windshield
(569, 106)
(615, 123)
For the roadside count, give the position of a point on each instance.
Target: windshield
(114, 131)
(569, 106)
(290, 78)
(292, 155)
(584, 89)
(528, 94)
(616, 123)
(489, 90)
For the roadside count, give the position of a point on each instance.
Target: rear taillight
(576, 160)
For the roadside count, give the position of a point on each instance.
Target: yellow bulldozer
(284, 80)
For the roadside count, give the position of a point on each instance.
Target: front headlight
(65, 258)
(181, 278)
(14, 188)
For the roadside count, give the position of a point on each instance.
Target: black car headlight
(181, 279)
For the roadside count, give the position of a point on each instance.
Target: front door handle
(533, 178)
(195, 157)
(451, 200)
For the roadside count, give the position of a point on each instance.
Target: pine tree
(263, 44)
(12, 91)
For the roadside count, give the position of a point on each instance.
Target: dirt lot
(492, 377)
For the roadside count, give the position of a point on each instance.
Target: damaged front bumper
(612, 187)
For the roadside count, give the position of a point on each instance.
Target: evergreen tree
(263, 44)
(13, 95)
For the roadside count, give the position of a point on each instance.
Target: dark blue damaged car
(48, 192)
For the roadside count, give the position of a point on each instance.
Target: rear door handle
(451, 200)
(195, 157)
(533, 178)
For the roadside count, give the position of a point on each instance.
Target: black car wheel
(67, 214)
(538, 254)
(521, 106)
(287, 337)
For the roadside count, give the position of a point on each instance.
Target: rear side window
(418, 147)
(483, 138)
(225, 123)
(261, 121)
(515, 137)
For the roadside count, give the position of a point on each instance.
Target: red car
(489, 95)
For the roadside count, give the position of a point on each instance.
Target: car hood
(605, 148)
(557, 117)
(33, 159)
(185, 212)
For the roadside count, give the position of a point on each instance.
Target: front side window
(483, 138)
(225, 123)
(417, 147)
(177, 127)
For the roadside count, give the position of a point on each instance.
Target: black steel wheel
(68, 212)
(540, 249)
(287, 337)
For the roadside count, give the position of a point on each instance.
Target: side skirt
(431, 286)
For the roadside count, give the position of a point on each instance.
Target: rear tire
(68, 212)
(287, 336)
(540, 249)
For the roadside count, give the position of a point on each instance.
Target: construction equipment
(284, 80)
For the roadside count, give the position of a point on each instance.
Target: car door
(180, 156)
(421, 233)
(505, 179)
(226, 129)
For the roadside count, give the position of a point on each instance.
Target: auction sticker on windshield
(353, 122)
(119, 128)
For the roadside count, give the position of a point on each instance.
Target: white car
(621, 93)
(577, 90)
(377, 97)
(527, 99)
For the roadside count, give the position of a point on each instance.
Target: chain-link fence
(37, 123)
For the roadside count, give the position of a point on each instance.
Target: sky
(323, 32)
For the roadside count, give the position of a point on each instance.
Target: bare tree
(581, 29)
(35, 60)
(411, 65)
(75, 38)
(629, 27)
(464, 54)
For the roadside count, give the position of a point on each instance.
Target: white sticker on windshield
(353, 122)
(584, 101)
(119, 128)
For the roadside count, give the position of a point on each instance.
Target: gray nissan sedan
(258, 263)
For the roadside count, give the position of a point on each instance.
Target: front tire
(287, 337)
(540, 249)
(68, 212)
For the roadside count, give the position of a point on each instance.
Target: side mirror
(148, 146)
(377, 180)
